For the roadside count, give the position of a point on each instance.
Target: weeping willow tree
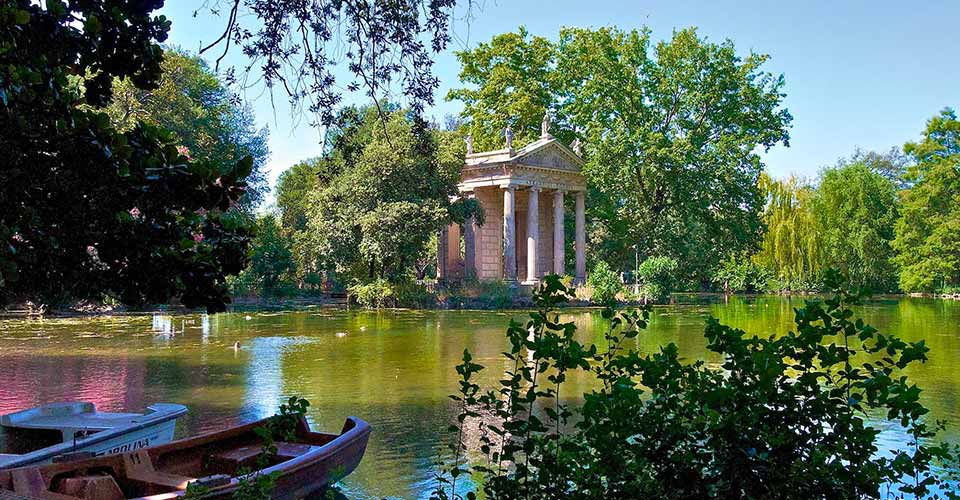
(791, 246)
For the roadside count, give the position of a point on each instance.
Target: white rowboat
(39, 435)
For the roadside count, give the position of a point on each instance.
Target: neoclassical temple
(522, 193)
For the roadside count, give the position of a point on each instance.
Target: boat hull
(155, 429)
(304, 475)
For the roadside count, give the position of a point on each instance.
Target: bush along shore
(783, 416)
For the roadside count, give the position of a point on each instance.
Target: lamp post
(636, 269)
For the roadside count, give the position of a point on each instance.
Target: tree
(345, 141)
(856, 209)
(672, 133)
(928, 233)
(658, 275)
(205, 118)
(296, 47)
(375, 218)
(293, 189)
(511, 79)
(272, 268)
(87, 211)
(791, 246)
(891, 165)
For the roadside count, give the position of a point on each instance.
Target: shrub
(375, 294)
(413, 295)
(658, 277)
(741, 275)
(496, 294)
(605, 283)
(784, 416)
(480, 294)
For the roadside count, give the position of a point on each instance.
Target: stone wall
(489, 237)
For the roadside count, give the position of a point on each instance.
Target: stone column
(581, 239)
(442, 255)
(509, 234)
(454, 262)
(533, 233)
(469, 249)
(558, 236)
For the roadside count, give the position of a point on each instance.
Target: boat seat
(287, 451)
(232, 460)
(139, 467)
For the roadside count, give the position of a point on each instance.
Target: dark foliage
(788, 416)
(85, 211)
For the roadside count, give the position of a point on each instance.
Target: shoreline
(249, 304)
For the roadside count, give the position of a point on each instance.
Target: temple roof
(546, 163)
(546, 152)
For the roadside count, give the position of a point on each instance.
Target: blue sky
(858, 73)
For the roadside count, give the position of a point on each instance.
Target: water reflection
(394, 369)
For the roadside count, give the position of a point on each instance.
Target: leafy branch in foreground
(795, 415)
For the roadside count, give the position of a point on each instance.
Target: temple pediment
(549, 154)
(546, 163)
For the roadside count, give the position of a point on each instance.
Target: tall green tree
(272, 267)
(376, 217)
(293, 191)
(510, 83)
(87, 211)
(791, 247)
(204, 117)
(344, 142)
(928, 233)
(856, 209)
(672, 132)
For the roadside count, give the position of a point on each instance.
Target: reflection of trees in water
(111, 383)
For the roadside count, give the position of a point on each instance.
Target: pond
(392, 368)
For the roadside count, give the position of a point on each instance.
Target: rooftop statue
(577, 146)
(508, 135)
(545, 124)
(469, 141)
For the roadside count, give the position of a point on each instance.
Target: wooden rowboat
(218, 463)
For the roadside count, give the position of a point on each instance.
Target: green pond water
(392, 368)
